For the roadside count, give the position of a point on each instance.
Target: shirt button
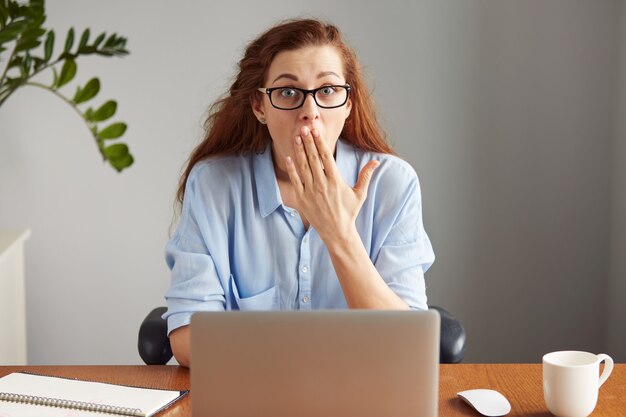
(305, 269)
(306, 239)
(305, 299)
(293, 213)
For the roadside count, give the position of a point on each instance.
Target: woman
(294, 199)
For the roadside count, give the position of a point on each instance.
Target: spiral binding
(76, 405)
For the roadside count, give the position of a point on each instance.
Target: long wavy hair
(231, 126)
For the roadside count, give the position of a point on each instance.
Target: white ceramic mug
(571, 380)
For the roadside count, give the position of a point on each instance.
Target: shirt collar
(346, 160)
(267, 189)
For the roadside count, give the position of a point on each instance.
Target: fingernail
(315, 132)
(305, 131)
(298, 140)
(289, 161)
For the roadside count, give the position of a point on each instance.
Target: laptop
(340, 363)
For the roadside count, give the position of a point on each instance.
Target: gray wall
(513, 143)
(508, 110)
(617, 278)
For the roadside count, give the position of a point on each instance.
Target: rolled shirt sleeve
(194, 286)
(195, 283)
(403, 252)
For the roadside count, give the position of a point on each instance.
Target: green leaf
(13, 9)
(32, 32)
(55, 78)
(113, 131)
(87, 92)
(4, 12)
(38, 62)
(25, 44)
(26, 65)
(88, 115)
(111, 41)
(83, 40)
(49, 46)
(106, 111)
(13, 30)
(34, 24)
(122, 162)
(117, 151)
(98, 40)
(114, 45)
(15, 62)
(69, 41)
(66, 55)
(67, 73)
(36, 8)
(86, 50)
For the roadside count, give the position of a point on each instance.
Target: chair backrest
(154, 345)
(452, 343)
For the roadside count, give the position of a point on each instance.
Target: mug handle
(608, 367)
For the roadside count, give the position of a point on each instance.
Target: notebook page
(147, 400)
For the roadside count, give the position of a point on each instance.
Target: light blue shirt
(237, 246)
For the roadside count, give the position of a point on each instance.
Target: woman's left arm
(360, 281)
(331, 206)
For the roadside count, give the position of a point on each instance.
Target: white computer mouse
(486, 401)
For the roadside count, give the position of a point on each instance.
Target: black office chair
(154, 345)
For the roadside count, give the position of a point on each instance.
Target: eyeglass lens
(291, 98)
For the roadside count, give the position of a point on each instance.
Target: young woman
(294, 200)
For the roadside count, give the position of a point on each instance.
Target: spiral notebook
(25, 395)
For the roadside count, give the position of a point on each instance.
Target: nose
(309, 110)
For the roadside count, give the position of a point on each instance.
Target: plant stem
(6, 69)
(45, 67)
(4, 94)
(71, 104)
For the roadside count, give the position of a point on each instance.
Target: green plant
(21, 26)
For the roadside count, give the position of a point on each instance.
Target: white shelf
(12, 298)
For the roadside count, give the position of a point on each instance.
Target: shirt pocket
(265, 300)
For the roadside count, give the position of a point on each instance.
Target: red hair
(232, 128)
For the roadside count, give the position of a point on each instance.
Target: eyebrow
(294, 78)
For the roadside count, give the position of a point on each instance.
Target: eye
(288, 92)
(327, 91)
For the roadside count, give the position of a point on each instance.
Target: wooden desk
(520, 383)
(523, 386)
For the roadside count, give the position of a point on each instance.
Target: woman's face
(308, 68)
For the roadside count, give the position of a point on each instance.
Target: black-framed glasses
(291, 98)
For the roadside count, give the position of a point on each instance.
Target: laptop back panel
(353, 363)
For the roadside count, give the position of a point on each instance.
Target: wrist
(343, 241)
